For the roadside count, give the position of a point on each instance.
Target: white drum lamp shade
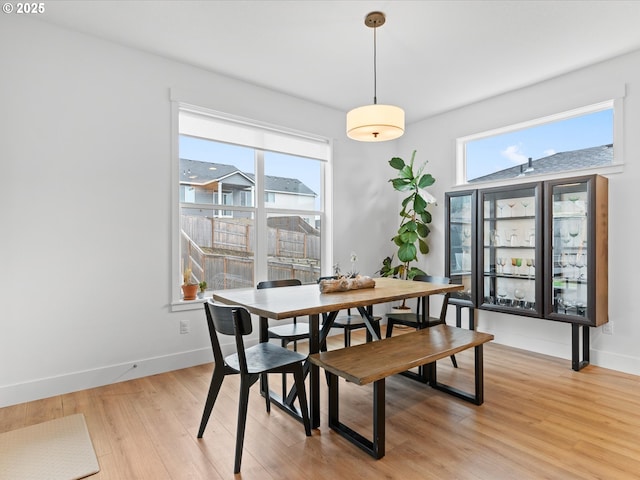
(375, 123)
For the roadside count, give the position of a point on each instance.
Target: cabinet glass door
(460, 241)
(572, 265)
(509, 265)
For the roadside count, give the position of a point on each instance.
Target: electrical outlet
(607, 328)
(185, 327)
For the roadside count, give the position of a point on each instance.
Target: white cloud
(514, 154)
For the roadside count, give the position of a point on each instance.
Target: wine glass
(525, 204)
(529, 264)
(502, 293)
(563, 262)
(514, 261)
(513, 238)
(511, 204)
(574, 230)
(580, 264)
(501, 263)
(573, 198)
(571, 260)
(501, 207)
(518, 293)
(519, 264)
(466, 232)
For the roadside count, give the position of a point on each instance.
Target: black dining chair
(420, 319)
(288, 332)
(250, 363)
(350, 322)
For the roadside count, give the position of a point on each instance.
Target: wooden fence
(291, 254)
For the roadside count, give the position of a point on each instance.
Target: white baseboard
(81, 380)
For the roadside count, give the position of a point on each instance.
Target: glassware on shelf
(571, 260)
(501, 263)
(530, 264)
(574, 229)
(511, 204)
(513, 238)
(581, 262)
(525, 204)
(563, 263)
(501, 207)
(494, 238)
(518, 293)
(502, 294)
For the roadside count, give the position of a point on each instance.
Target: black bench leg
(478, 396)
(374, 447)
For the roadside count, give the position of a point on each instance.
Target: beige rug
(60, 449)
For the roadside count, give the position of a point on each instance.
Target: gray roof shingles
(206, 172)
(558, 162)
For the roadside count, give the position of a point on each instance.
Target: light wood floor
(540, 419)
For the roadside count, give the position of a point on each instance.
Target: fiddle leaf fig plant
(414, 216)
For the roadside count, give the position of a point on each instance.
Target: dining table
(307, 300)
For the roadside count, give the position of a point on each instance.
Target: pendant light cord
(375, 98)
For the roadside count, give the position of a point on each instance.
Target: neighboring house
(216, 183)
(558, 162)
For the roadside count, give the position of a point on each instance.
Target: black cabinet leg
(576, 363)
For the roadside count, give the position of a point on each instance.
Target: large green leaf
(424, 248)
(407, 252)
(413, 271)
(419, 204)
(426, 180)
(406, 172)
(423, 230)
(409, 237)
(425, 216)
(397, 163)
(401, 184)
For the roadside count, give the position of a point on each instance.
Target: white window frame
(321, 149)
(616, 166)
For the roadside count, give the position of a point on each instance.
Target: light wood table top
(287, 302)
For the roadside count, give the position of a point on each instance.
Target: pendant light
(375, 123)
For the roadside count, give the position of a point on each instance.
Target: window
(224, 161)
(580, 139)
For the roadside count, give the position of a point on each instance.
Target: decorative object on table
(414, 218)
(203, 288)
(189, 287)
(342, 284)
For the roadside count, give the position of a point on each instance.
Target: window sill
(184, 305)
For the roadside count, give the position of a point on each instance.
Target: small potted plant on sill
(414, 219)
(203, 288)
(189, 287)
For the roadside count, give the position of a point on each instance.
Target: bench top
(368, 362)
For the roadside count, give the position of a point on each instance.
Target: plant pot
(189, 292)
(201, 294)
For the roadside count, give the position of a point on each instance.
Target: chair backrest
(425, 300)
(287, 282)
(228, 320)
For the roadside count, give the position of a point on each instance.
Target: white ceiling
(433, 56)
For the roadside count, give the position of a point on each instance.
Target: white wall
(435, 139)
(85, 201)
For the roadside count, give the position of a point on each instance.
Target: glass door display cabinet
(533, 250)
(576, 268)
(510, 250)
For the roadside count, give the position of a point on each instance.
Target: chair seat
(265, 356)
(351, 321)
(290, 331)
(409, 319)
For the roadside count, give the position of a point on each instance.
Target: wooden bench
(374, 361)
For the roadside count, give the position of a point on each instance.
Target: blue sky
(496, 153)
